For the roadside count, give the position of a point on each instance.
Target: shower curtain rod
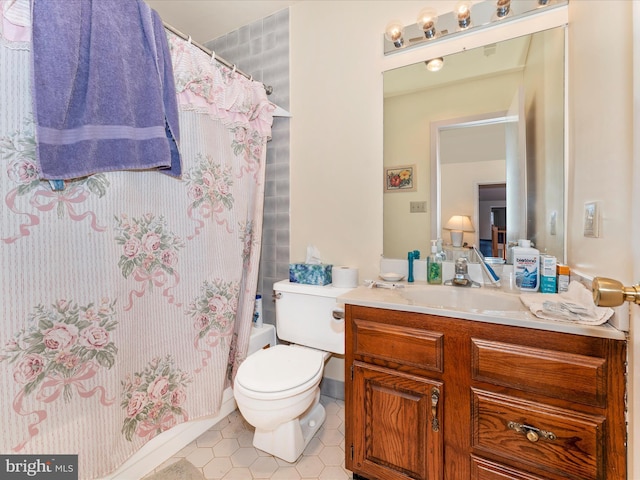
(268, 88)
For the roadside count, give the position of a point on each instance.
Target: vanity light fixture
(468, 15)
(503, 7)
(435, 64)
(427, 21)
(458, 224)
(394, 33)
(463, 14)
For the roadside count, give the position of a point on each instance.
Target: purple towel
(104, 94)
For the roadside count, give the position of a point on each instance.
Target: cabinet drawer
(398, 344)
(482, 469)
(540, 437)
(567, 376)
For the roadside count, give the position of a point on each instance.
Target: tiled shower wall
(261, 49)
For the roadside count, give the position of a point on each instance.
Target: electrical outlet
(418, 207)
(552, 223)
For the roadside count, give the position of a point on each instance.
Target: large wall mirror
(485, 137)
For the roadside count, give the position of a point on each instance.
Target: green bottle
(434, 266)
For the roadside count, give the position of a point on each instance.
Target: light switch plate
(417, 207)
(591, 219)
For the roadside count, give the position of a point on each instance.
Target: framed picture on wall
(400, 178)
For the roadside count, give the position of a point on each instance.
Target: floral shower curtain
(126, 299)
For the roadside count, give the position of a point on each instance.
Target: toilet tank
(304, 315)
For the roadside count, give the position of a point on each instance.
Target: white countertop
(401, 299)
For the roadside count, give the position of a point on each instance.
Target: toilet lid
(279, 368)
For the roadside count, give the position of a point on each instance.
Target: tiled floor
(226, 452)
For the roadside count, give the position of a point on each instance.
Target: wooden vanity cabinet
(431, 397)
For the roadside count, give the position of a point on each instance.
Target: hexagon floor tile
(225, 452)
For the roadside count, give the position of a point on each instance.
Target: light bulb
(463, 14)
(503, 7)
(427, 20)
(435, 64)
(394, 32)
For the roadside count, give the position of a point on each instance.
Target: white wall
(336, 135)
(602, 137)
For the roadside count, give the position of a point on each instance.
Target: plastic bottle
(441, 254)
(257, 312)
(434, 266)
(411, 256)
(563, 278)
(526, 266)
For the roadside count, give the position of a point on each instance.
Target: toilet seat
(280, 369)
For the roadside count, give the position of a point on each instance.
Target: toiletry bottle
(548, 273)
(441, 254)
(411, 256)
(563, 278)
(257, 312)
(526, 266)
(434, 266)
(410, 267)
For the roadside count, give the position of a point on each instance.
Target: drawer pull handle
(533, 434)
(435, 397)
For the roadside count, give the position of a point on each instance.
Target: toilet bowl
(277, 389)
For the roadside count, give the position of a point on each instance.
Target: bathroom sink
(464, 299)
(484, 304)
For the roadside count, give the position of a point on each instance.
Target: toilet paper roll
(344, 277)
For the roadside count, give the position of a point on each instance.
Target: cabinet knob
(532, 436)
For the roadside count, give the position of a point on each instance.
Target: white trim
(633, 347)
(435, 128)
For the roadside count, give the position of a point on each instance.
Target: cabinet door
(397, 429)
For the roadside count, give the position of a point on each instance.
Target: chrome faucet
(461, 277)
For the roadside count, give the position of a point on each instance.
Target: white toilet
(277, 389)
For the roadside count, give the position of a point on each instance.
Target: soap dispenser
(434, 266)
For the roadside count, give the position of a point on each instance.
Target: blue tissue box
(310, 274)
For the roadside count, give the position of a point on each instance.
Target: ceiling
(206, 20)
(490, 60)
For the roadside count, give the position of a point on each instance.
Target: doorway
(492, 219)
